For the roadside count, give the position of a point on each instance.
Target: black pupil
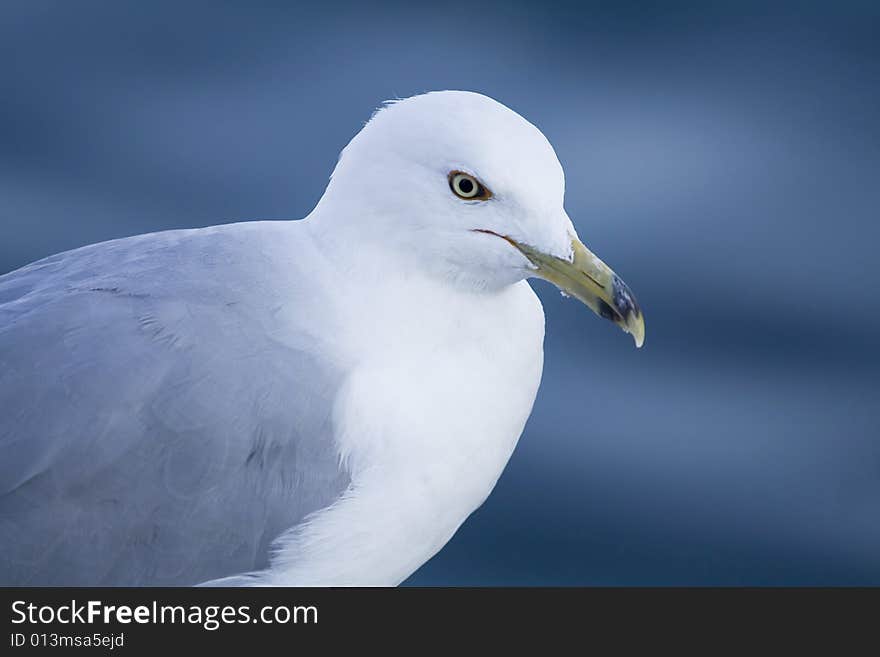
(465, 186)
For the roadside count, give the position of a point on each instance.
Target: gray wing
(162, 418)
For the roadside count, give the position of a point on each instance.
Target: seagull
(320, 402)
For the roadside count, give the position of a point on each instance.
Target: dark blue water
(725, 161)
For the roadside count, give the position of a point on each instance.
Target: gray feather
(165, 412)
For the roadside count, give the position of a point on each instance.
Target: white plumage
(311, 402)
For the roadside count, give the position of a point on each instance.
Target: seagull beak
(587, 278)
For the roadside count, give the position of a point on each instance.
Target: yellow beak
(589, 279)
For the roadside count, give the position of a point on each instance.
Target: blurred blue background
(725, 159)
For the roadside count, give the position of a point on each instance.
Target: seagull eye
(467, 187)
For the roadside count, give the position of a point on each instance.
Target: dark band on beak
(625, 303)
(607, 312)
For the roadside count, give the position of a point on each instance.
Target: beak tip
(637, 330)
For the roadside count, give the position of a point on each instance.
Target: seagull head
(464, 187)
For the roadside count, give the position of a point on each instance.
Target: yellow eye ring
(467, 188)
